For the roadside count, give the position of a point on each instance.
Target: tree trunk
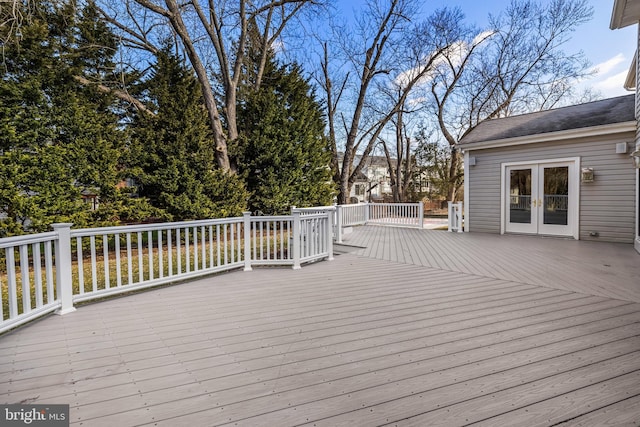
(453, 176)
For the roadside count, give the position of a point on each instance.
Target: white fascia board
(617, 14)
(625, 13)
(553, 136)
(630, 81)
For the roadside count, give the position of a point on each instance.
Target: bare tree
(214, 36)
(13, 13)
(399, 154)
(517, 66)
(391, 54)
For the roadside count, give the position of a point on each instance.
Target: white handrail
(56, 270)
(394, 214)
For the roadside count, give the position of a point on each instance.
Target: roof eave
(630, 81)
(618, 17)
(614, 128)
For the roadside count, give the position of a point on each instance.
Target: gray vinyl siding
(637, 112)
(607, 206)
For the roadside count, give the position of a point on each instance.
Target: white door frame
(574, 188)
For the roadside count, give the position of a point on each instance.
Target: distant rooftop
(597, 113)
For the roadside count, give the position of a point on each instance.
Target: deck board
(414, 328)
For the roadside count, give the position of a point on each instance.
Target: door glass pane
(556, 195)
(520, 196)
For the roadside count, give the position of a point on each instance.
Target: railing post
(451, 218)
(455, 217)
(338, 224)
(421, 214)
(64, 283)
(296, 239)
(247, 241)
(367, 206)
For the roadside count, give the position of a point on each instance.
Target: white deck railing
(53, 271)
(394, 214)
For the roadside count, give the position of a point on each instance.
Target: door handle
(533, 203)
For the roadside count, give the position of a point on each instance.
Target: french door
(541, 198)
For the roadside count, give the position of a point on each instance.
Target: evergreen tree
(58, 136)
(175, 163)
(285, 154)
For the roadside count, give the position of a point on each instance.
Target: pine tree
(58, 136)
(176, 166)
(285, 154)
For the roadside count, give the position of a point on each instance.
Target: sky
(610, 51)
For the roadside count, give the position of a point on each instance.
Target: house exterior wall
(637, 115)
(607, 206)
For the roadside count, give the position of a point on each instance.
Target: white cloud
(611, 84)
(456, 52)
(609, 65)
(610, 77)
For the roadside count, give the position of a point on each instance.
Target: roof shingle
(597, 113)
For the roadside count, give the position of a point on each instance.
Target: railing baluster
(48, 271)
(129, 260)
(179, 251)
(169, 252)
(118, 260)
(226, 245)
(218, 253)
(160, 256)
(203, 248)
(37, 273)
(150, 249)
(275, 237)
(140, 257)
(94, 268)
(211, 247)
(196, 257)
(12, 291)
(231, 237)
(187, 249)
(261, 240)
(24, 278)
(254, 245)
(80, 265)
(105, 255)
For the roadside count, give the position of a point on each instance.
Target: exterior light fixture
(636, 158)
(587, 175)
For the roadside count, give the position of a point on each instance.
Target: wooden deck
(415, 328)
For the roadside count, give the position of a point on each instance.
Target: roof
(598, 113)
(625, 13)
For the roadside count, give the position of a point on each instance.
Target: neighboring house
(562, 172)
(373, 184)
(376, 184)
(625, 13)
